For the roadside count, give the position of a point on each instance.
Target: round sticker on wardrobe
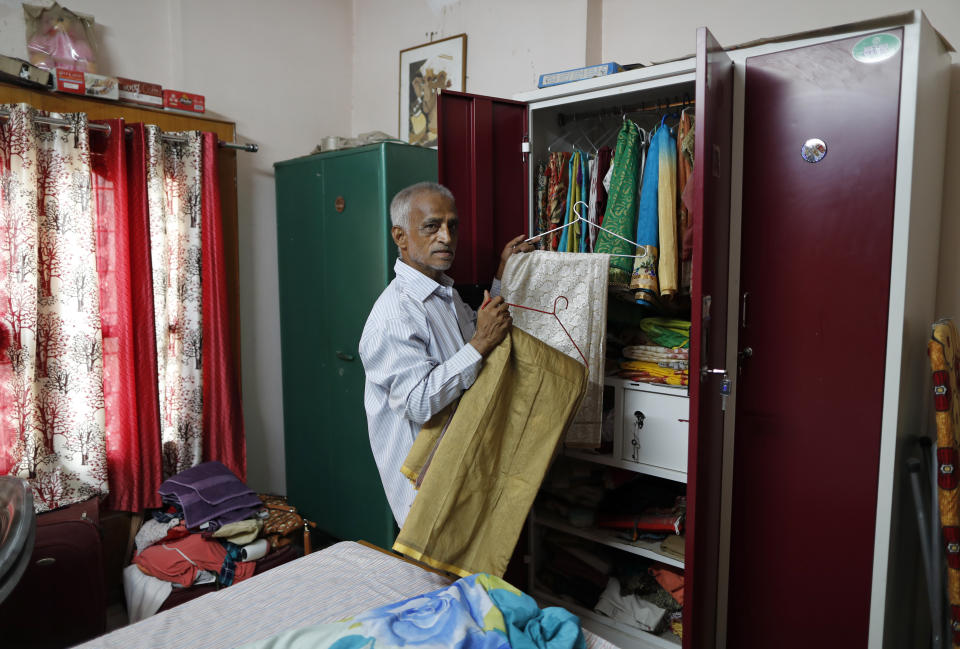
(813, 150)
(876, 48)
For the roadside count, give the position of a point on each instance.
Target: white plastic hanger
(594, 225)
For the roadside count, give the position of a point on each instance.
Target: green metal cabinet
(335, 257)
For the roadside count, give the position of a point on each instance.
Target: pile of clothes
(208, 531)
(639, 592)
(630, 589)
(645, 595)
(658, 351)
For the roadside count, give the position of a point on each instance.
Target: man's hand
(514, 246)
(493, 323)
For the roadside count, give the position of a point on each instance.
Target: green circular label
(876, 48)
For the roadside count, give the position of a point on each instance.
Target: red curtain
(120, 167)
(223, 433)
(129, 360)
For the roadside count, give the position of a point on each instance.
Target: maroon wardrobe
(819, 170)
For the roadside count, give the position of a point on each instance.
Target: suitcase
(60, 600)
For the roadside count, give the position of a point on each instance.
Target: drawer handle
(46, 561)
(345, 356)
(686, 421)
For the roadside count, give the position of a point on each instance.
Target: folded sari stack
(666, 365)
(663, 358)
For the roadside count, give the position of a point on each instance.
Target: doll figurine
(61, 41)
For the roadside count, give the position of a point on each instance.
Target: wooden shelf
(646, 549)
(622, 635)
(636, 467)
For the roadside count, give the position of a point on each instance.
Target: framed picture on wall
(424, 71)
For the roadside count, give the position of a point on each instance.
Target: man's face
(430, 243)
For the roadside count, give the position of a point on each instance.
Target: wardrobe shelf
(609, 460)
(660, 388)
(646, 549)
(605, 627)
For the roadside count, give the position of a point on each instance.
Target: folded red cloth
(180, 560)
(651, 520)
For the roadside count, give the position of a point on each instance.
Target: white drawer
(662, 440)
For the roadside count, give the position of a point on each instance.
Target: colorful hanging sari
(644, 278)
(583, 230)
(685, 141)
(943, 350)
(667, 212)
(620, 216)
(556, 194)
(543, 219)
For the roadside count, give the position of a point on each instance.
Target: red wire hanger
(566, 303)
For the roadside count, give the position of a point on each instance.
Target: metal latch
(726, 385)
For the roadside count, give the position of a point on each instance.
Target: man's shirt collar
(418, 285)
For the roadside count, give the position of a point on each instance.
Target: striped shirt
(417, 359)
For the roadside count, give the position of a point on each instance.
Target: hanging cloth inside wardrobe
(685, 142)
(556, 193)
(569, 238)
(598, 193)
(644, 277)
(667, 211)
(584, 179)
(543, 219)
(621, 213)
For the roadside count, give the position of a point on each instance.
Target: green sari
(621, 215)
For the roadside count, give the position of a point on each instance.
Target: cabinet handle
(686, 421)
(345, 356)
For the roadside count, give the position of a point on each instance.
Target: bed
(340, 581)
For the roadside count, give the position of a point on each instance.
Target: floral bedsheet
(477, 612)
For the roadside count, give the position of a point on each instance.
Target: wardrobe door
(302, 314)
(481, 160)
(820, 149)
(354, 229)
(708, 337)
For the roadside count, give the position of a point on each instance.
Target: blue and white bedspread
(477, 612)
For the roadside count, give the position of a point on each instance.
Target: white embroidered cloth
(535, 279)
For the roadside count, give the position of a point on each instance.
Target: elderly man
(422, 346)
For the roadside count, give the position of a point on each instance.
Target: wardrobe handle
(345, 356)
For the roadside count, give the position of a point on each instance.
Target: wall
(626, 40)
(283, 75)
(509, 44)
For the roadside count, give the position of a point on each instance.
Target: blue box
(578, 74)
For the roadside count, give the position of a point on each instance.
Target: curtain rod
(53, 121)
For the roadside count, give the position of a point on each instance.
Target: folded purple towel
(210, 492)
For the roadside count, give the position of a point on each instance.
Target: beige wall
(509, 43)
(625, 40)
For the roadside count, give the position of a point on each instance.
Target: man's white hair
(400, 205)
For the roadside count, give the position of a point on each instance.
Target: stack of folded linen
(664, 356)
(209, 531)
(210, 496)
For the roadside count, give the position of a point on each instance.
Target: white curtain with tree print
(51, 384)
(174, 193)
